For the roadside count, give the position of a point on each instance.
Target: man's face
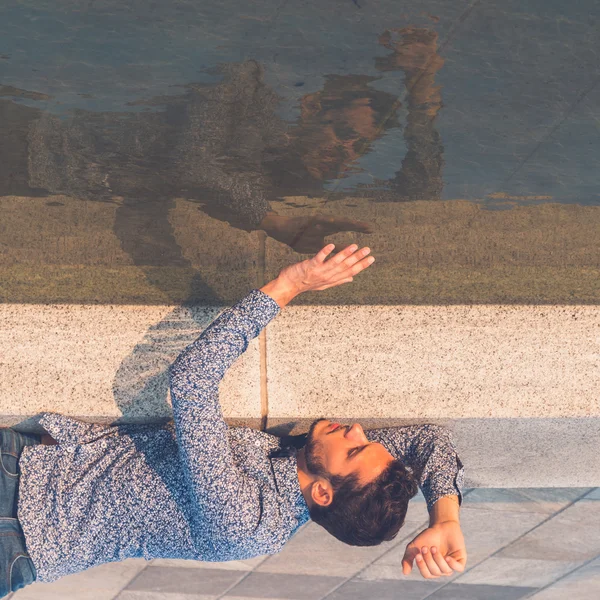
(334, 449)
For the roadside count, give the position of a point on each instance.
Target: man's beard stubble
(312, 452)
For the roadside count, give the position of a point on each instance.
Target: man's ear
(321, 492)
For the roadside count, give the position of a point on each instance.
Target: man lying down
(194, 488)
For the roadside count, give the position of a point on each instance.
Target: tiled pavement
(542, 544)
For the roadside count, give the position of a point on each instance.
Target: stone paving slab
(531, 452)
(105, 363)
(582, 584)
(145, 595)
(518, 571)
(441, 362)
(571, 535)
(205, 582)
(232, 565)
(593, 495)
(248, 598)
(288, 586)
(482, 542)
(455, 591)
(434, 362)
(314, 551)
(545, 500)
(100, 583)
(384, 590)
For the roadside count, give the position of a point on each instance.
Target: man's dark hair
(366, 515)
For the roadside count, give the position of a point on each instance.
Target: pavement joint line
(245, 575)
(549, 585)
(589, 492)
(566, 115)
(261, 268)
(400, 542)
(513, 541)
(264, 392)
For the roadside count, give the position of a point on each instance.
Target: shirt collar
(285, 470)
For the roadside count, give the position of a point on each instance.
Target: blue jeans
(16, 568)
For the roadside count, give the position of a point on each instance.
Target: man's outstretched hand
(439, 551)
(317, 273)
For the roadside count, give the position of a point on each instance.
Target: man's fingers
(430, 562)
(440, 561)
(341, 256)
(408, 558)
(455, 564)
(423, 569)
(322, 254)
(360, 265)
(347, 258)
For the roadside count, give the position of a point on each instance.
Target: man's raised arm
(227, 500)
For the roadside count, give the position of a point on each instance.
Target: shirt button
(145, 438)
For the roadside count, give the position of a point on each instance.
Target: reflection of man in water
(337, 125)
(223, 145)
(340, 123)
(210, 144)
(415, 53)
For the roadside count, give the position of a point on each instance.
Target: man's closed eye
(354, 451)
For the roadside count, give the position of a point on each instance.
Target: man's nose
(355, 432)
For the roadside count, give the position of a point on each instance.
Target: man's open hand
(319, 274)
(439, 551)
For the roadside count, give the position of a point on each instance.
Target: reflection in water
(336, 126)
(340, 123)
(224, 146)
(415, 53)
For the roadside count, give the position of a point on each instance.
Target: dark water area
(122, 125)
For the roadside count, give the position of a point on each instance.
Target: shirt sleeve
(228, 502)
(69, 431)
(429, 452)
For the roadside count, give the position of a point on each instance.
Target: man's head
(355, 489)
